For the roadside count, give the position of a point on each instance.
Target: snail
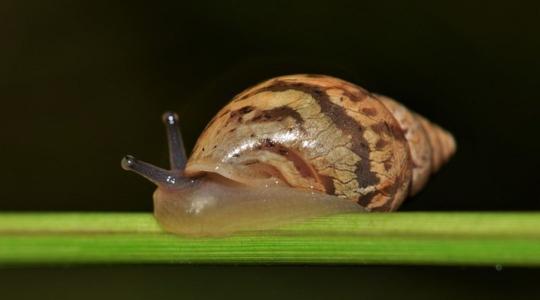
(290, 148)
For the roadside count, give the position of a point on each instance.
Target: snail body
(294, 147)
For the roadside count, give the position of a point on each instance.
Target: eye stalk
(177, 152)
(177, 158)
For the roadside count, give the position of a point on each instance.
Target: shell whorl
(430, 146)
(322, 133)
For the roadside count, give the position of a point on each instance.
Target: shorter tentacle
(158, 176)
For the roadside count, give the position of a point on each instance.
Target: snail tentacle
(177, 152)
(172, 178)
(157, 175)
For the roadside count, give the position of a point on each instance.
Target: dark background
(84, 82)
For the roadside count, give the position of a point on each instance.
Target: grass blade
(375, 238)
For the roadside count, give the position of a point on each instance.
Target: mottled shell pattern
(322, 133)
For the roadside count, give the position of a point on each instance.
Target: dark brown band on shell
(342, 121)
(366, 199)
(277, 114)
(303, 167)
(328, 183)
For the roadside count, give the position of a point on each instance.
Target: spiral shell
(322, 133)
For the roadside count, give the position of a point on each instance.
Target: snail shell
(294, 147)
(323, 133)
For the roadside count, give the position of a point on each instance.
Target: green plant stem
(374, 238)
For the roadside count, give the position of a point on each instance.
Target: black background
(84, 82)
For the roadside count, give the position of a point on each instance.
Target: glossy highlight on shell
(321, 133)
